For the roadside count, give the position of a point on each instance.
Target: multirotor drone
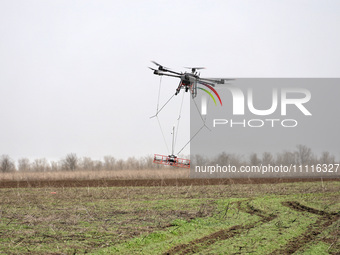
(188, 80)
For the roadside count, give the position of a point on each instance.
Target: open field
(270, 218)
(122, 178)
(96, 175)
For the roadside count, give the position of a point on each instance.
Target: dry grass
(171, 173)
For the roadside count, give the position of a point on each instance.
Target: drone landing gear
(178, 88)
(181, 84)
(171, 160)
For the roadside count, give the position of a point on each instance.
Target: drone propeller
(197, 68)
(163, 69)
(193, 69)
(160, 67)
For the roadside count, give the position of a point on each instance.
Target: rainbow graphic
(213, 90)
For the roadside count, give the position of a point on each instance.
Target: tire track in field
(312, 231)
(199, 244)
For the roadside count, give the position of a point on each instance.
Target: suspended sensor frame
(171, 160)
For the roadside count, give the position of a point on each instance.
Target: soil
(151, 182)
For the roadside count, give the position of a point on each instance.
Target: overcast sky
(74, 77)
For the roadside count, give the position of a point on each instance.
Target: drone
(188, 80)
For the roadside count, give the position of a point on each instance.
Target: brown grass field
(97, 175)
(153, 177)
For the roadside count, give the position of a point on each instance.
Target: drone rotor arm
(173, 72)
(157, 72)
(206, 82)
(172, 75)
(216, 80)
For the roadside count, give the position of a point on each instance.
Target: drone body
(188, 80)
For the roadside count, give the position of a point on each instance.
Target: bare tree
(132, 163)
(70, 162)
(286, 158)
(109, 163)
(86, 163)
(267, 158)
(236, 160)
(24, 165)
(40, 165)
(6, 164)
(254, 160)
(327, 158)
(223, 159)
(55, 166)
(97, 165)
(120, 164)
(304, 154)
(148, 163)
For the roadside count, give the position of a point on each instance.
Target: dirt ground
(151, 182)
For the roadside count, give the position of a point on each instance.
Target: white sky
(74, 77)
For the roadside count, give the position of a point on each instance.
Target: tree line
(71, 162)
(302, 155)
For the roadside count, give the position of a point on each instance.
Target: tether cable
(197, 131)
(179, 118)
